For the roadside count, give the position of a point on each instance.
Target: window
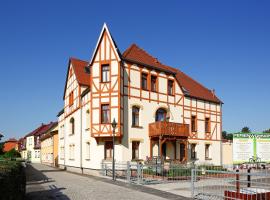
(108, 150)
(193, 151)
(71, 152)
(207, 147)
(105, 73)
(105, 113)
(161, 114)
(62, 132)
(62, 153)
(135, 116)
(71, 98)
(87, 149)
(153, 83)
(135, 150)
(170, 87)
(144, 81)
(207, 125)
(72, 126)
(87, 119)
(193, 124)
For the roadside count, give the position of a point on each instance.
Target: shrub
(12, 154)
(12, 180)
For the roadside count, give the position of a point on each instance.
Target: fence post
(138, 173)
(237, 181)
(128, 171)
(248, 178)
(193, 172)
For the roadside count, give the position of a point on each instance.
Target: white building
(152, 103)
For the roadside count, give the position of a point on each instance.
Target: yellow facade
(49, 148)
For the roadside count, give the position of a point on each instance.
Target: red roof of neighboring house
(41, 129)
(189, 86)
(11, 143)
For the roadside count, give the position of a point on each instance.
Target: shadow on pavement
(35, 188)
(51, 194)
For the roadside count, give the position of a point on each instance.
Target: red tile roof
(79, 70)
(41, 129)
(189, 86)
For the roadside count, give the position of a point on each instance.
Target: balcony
(163, 128)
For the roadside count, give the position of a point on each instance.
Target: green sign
(248, 147)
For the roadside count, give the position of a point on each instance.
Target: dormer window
(105, 73)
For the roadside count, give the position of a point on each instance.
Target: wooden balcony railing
(163, 128)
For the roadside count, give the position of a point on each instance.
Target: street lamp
(114, 124)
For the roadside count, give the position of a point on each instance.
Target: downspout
(81, 137)
(221, 144)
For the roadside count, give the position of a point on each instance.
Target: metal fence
(239, 184)
(148, 173)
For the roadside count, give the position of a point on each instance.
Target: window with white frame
(62, 152)
(207, 151)
(87, 151)
(72, 152)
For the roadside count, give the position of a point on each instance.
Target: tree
(224, 134)
(245, 130)
(1, 148)
(12, 154)
(227, 136)
(266, 131)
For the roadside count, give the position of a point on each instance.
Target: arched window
(161, 114)
(135, 116)
(72, 125)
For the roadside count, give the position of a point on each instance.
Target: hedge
(12, 180)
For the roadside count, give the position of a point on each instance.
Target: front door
(182, 152)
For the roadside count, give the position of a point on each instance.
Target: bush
(12, 180)
(12, 154)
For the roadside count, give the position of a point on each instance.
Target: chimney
(213, 92)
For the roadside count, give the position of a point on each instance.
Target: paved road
(44, 183)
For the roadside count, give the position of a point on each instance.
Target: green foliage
(266, 131)
(245, 130)
(227, 136)
(12, 180)
(1, 148)
(12, 154)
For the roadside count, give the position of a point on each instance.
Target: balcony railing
(163, 128)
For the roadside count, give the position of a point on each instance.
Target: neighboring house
(227, 152)
(159, 110)
(49, 146)
(11, 143)
(30, 145)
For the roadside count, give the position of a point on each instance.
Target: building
(11, 143)
(30, 145)
(49, 146)
(227, 152)
(159, 110)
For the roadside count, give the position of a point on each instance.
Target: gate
(213, 184)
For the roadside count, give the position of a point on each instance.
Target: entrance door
(164, 147)
(182, 151)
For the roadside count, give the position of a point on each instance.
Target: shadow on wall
(35, 190)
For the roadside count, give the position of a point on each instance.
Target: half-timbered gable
(105, 84)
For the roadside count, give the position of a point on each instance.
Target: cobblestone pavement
(44, 182)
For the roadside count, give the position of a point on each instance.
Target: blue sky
(225, 45)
